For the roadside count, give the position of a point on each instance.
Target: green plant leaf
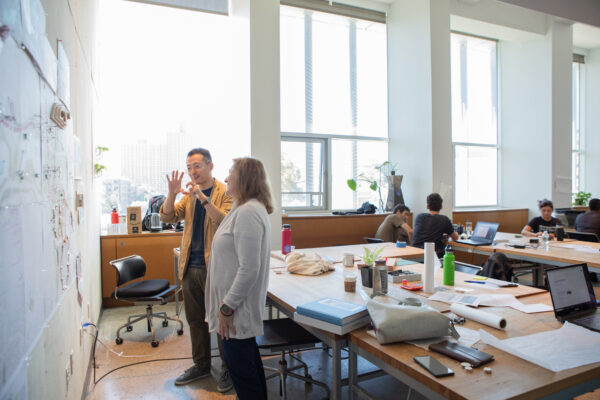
(351, 184)
(373, 185)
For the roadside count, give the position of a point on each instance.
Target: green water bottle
(449, 266)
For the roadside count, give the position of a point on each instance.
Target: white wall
(75, 24)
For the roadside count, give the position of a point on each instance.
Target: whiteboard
(38, 245)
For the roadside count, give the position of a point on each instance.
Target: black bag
(497, 267)
(154, 207)
(366, 208)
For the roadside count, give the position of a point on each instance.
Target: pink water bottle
(286, 239)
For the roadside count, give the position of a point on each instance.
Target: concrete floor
(155, 379)
(154, 375)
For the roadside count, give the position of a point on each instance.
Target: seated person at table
(546, 222)
(395, 227)
(431, 226)
(589, 221)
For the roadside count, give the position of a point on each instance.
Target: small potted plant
(366, 270)
(580, 199)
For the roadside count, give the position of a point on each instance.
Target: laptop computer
(573, 297)
(483, 234)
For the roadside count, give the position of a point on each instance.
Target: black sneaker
(192, 374)
(225, 383)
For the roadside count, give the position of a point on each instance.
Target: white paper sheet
(446, 297)
(508, 300)
(556, 350)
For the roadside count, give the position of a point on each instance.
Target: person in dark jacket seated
(589, 221)
(432, 226)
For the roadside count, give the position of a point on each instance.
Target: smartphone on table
(434, 367)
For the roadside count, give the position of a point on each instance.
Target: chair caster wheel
(155, 343)
(180, 332)
(129, 328)
(119, 340)
(165, 323)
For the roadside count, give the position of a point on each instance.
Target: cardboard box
(134, 220)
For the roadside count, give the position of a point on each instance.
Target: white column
(561, 55)
(419, 99)
(265, 143)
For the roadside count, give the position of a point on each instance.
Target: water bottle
(560, 233)
(381, 272)
(286, 239)
(546, 239)
(449, 266)
(114, 216)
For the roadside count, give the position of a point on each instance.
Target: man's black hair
(434, 202)
(594, 204)
(401, 208)
(205, 153)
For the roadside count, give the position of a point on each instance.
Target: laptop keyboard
(590, 320)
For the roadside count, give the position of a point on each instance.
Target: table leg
(352, 370)
(336, 369)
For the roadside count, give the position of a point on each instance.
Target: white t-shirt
(238, 271)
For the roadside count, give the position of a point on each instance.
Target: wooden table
(511, 378)
(559, 253)
(287, 291)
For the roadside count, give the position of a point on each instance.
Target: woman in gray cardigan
(238, 276)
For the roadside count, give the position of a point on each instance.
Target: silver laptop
(483, 234)
(573, 296)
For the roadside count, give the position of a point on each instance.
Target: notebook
(572, 296)
(483, 234)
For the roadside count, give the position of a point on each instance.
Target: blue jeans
(245, 368)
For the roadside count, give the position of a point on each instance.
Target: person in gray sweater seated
(239, 274)
(589, 221)
(395, 226)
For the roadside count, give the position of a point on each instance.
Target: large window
(169, 80)
(333, 108)
(577, 139)
(474, 120)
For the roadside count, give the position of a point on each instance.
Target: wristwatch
(205, 201)
(226, 310)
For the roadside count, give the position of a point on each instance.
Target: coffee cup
(348, 260)
(534, 242)
(350, 282)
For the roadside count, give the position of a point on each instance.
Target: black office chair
(143, 292)
(467, 268)
(281, 335)
(372, 240)
(583, 236)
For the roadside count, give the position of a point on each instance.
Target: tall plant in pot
(376, 178)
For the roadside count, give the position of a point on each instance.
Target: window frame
(496, 146)
(577, 179)
(327, 138)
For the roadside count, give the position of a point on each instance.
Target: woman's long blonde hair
(252, 182)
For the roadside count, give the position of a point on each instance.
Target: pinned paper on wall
(562, 184)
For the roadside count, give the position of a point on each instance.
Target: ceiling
(586, 36)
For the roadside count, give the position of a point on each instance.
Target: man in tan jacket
(203, 207)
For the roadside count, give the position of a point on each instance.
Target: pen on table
(480, 282)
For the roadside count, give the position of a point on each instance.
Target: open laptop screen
(571, 289)
(485, 230)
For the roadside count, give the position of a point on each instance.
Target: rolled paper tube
(482, 317)
(429, 271)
